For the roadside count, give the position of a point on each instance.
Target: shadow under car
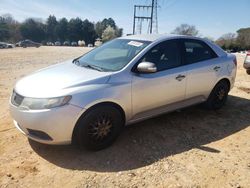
(147, 142)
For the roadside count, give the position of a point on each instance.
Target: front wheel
(99, 128)
(218, 96)
(248, 72)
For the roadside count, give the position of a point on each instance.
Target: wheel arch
(106, 103)
(227, 80)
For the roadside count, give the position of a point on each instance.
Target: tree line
(231, 41)
(53, 29)
(235, 41)
(77, 29)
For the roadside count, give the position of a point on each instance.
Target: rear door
(202, 68)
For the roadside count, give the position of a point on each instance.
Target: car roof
(155, 37)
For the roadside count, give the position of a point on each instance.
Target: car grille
(16, 99)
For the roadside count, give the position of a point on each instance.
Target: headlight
(35, 103)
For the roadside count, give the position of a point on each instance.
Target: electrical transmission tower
(146, 13)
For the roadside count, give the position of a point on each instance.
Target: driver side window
(165, 55)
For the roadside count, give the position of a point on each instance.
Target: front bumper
(48, 126)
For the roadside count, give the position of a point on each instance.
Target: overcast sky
(211, 17)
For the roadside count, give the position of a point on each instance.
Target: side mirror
(146, 67)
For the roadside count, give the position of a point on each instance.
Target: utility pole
(139, 19)
(152, 14)
(155, 17)
(151, 17)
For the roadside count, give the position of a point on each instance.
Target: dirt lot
(188, 148)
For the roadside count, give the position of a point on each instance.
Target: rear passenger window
(196, 51)
(165, 55)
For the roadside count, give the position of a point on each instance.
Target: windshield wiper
(77, 62)
(93, 67)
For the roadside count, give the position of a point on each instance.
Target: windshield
(113, 55)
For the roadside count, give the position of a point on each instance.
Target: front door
(166, 86)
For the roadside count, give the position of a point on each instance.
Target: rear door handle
(180, 77)
(216, 68)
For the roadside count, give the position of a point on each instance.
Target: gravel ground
(188, 148)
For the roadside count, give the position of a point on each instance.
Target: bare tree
(185, 29)
(229, 36)
(227, 41)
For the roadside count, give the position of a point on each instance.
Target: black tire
(248, 72)
(218, 96)
(99, 127)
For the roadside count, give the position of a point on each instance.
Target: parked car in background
(9, 45)
(74, 43)
(90, 99)
(50, 44)
(66, 43)
(247, 62)
(57, 43)
(6, 45)
(90, 45)
(18, 44)
(29, 43)
(98, 42)
(81, 43)
(3, 45)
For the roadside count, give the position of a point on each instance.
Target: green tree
(61, 30)
(75, 29)
(51, 24)
(88, 32)
(243, 38)
(101, 26)
(32, 29)
(52, 30)
(9, 28)
(108, 22)
(4, 30)
(118, 32)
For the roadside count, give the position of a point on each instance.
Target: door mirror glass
(146, 67)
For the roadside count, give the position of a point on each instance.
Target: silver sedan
(88, 100)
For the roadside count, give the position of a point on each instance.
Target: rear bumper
(50, 126)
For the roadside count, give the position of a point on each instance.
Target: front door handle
(180, 77)
(216, 68)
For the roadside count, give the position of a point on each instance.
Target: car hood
(57, 79)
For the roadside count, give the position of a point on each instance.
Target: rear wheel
(218, 96)
(248, 72)
(99, 128)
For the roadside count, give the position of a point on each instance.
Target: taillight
(235, 61)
